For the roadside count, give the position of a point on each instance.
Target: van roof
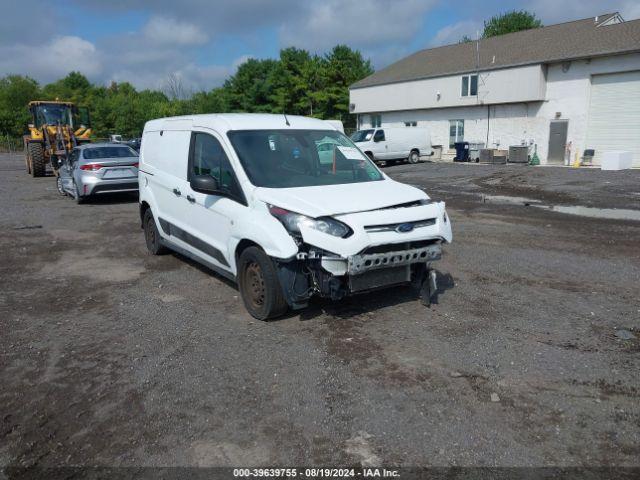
(222, 122)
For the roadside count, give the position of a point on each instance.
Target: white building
(576, 82)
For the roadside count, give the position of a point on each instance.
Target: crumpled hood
(325, 200)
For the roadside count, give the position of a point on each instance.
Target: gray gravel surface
(109, 356)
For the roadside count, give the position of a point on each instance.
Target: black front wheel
(259, 285)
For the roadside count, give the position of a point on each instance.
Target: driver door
(211, 216)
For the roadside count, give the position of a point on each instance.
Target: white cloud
(169, 31)
(55, 59)
(363, 23)
(455, 32)
(174, 38)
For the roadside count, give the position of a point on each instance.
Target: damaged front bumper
(315, 272)
(376, 255)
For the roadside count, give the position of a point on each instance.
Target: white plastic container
(616, 160)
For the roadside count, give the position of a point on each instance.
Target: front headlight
(293, 221)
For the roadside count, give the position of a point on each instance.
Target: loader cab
(54, 113)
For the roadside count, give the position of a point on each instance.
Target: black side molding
(171, 230)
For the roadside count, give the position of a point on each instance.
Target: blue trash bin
(462, 152)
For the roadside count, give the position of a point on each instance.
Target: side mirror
(205, 184)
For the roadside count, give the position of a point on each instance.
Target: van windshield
(362, 136)
(301, 158)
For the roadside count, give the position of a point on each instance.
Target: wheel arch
(144, 206)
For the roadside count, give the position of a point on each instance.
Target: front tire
(259, 285)
(152, 235)
(414, 157)
(36, 159)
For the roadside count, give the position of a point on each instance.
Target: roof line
(511, 33)
(500, 67)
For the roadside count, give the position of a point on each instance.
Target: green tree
(296, 83)
(73, 88)
(16, 92)
(248, 90)
(509, 22)
(342, 67)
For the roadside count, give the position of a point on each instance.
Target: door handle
(191, 199)
(176, 192)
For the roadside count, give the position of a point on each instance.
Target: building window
(410, 124)
(469, 86)
(456, 132)
(376, 121)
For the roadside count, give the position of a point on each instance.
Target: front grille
(390, 227)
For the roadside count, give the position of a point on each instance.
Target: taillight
(135, 165)
(91, 167)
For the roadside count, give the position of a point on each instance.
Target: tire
(152, 235)
(59, 186)
(414, 157)
(36, 155)
(370, 155)
(259, 285)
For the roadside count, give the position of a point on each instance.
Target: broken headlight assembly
(292, 221)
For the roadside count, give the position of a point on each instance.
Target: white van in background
(394, 143)
(337, 124)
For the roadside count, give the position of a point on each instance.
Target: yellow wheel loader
(56, 128)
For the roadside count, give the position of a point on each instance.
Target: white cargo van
(288, 208)
(394, 143)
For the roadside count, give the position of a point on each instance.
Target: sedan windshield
(362, 136)
(301, 158)
(108, 152)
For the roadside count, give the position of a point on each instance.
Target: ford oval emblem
(404, 228)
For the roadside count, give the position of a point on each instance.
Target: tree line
(297, 83)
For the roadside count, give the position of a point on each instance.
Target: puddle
(510, 200)
(606, 213)
(591, 212)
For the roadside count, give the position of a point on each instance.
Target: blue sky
(203, 41)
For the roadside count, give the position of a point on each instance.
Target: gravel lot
(112, 357)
